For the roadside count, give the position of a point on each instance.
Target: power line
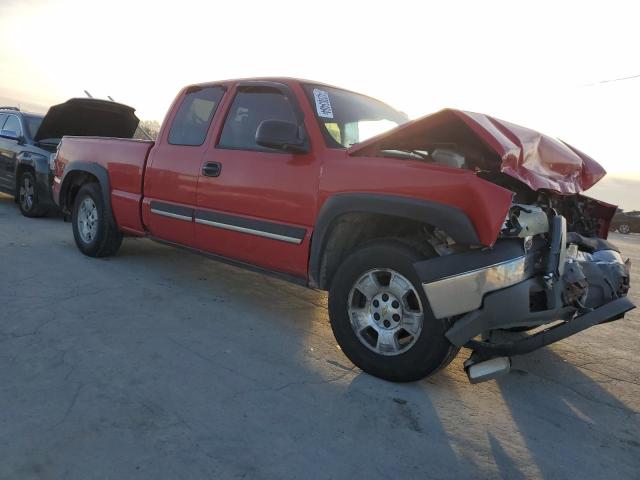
(613, 80)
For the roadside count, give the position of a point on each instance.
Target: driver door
(257, 205)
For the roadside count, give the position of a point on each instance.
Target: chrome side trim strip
(464, 292)
(251, 231)
(171, 215)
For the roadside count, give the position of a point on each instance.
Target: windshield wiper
(406, 154)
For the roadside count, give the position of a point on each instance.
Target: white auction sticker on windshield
(323, 104)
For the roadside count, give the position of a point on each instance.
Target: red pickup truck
(429, 235)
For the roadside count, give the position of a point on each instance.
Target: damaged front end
(550, 270)
(524, 283)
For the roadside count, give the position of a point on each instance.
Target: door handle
(211, 169)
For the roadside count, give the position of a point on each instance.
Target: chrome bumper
(464, 292)
(458, 283)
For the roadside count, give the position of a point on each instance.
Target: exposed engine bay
(584, 215)
(591, 268)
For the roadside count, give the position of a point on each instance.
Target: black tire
(107, 238)
(624, 229)
(431, 350)
(27, 196)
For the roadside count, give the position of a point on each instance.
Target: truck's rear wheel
(381, 317)
(94, 234)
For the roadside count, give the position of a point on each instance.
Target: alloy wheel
(385, 312)
(88, 220)
(26, 194)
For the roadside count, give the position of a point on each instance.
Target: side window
(250, 107)
(194, 116)
(3, 117)
(13, 124)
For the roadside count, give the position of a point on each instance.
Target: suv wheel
(28, 196)
(624, 228)
(381, 317)
(94, 234)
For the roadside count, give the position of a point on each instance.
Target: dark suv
(28, 143)
(25, 163)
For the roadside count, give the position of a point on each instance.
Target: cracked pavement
(159, 363)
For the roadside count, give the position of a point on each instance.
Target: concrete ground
(159, 363)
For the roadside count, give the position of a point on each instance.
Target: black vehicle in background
(22, 161)
(28, 143)
(626, 222)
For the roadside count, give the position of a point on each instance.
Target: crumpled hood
(539, 161)
(88, 117)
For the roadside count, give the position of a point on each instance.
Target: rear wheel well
(71, 187)
(352, 230)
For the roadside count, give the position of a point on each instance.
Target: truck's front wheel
(381, 317)
(94, 234)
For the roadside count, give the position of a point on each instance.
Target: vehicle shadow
(567, 423)
(10, 202)
(419, 415)
(507, 467)
(572, 424)
(295, 373)
(237, 373)
(547, 419)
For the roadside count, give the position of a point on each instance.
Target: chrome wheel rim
(624, 228)
(385, 311)
(87, 220)
(26, 193)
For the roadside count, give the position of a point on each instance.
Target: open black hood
(88, 117)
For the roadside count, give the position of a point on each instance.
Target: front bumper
(458, 285)
(507, 286)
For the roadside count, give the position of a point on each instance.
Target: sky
(544, 65)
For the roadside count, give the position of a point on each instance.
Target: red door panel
(261, 205)
(260, 193)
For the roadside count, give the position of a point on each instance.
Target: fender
(37, 161)
(97, 171)
(451, 219)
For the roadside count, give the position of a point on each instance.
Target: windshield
(346, 118)
(33, 124)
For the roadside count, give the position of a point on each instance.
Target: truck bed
(124, 160)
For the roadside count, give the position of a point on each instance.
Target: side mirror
(9, 134)
(281, 135)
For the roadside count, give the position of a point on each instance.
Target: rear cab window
(251, 106)
(192, 121)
